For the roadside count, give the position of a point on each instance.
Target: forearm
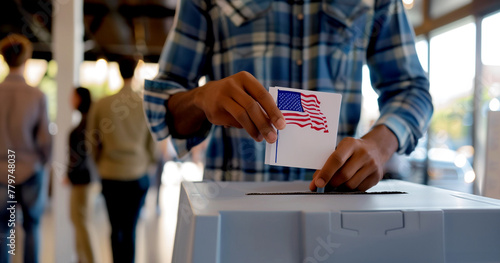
(384, 140)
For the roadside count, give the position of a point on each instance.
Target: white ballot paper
(310, 135)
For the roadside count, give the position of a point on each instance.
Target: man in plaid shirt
(245, 46)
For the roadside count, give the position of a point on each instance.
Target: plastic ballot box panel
(219, 223)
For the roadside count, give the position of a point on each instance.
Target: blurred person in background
(25, 138)
(83, 176)
(123, 150)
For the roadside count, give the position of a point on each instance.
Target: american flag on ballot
(302, 110)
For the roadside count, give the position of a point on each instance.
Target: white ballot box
(219, 223)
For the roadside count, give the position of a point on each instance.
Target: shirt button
(300, 16)
(299, 62)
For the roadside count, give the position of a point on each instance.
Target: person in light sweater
(123, 150)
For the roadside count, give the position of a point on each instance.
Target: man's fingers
(336, 160)
(355, 164)
(351, 167)
(262, 96)
(257, 115)
(361, 175)
(312, 185)
(241, 115)
(369, 182)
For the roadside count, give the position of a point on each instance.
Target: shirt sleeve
(397, 76)
(43, 137)
(182, 63)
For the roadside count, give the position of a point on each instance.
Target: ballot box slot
(329, 193)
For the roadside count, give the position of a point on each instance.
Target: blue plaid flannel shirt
(304, 44)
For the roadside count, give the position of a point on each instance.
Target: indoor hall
(447, 51)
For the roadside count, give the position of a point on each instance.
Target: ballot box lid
(212, 197)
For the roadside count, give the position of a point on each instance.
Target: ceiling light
(408, 4)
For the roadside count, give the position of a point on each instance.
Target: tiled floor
(156, 229)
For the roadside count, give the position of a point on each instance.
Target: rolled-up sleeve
(397, 76)
(156, 94)
(182, 63)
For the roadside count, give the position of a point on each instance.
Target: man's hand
(238, 101)
(357, 163)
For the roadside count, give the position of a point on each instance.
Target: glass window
(489, 83)
(490, 58)
(452, 73)
(452, 63)
(422, 47)
(491, 40)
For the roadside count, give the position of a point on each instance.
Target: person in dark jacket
(83, 176)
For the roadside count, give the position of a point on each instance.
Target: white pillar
(67, 50)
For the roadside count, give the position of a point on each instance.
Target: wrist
(384, 140)
(198, 100)
(184, 115)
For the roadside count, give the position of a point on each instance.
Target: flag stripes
(302, 110)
